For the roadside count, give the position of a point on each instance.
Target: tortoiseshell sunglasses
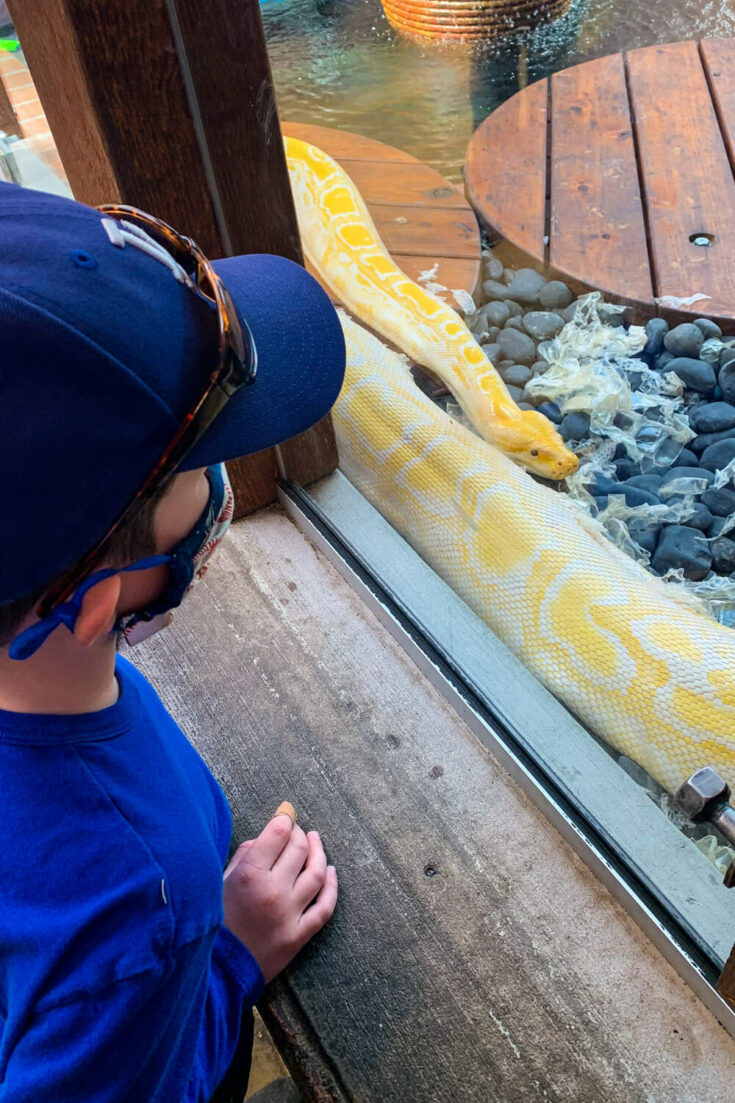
(236, 367)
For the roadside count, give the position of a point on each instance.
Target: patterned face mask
(187, 564)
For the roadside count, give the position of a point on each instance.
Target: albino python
(356, 267)
(654, 678)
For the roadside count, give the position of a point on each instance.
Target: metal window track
(697, 939)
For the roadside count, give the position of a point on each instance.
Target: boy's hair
(133, 541)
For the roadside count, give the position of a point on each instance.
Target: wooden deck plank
(505, 171)
(597, 223)
(451, 272)
(343, 143)
(688, 182)
(718, 58)
(410, 183)
(421, 231)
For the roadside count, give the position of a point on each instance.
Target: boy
(130, 369)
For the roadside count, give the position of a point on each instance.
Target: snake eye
(534, 451)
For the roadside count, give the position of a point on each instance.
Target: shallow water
(339, 63)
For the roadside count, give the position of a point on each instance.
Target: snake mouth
(549, 465)
(567, 466)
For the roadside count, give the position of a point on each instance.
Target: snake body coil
(653, 677)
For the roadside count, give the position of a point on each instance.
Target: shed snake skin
(651, 676)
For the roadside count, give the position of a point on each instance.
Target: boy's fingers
(322, 910)
(238, 856)
(287, 809)
(271, 841)
(310, 880)
(291, 860)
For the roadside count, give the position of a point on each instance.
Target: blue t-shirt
(117, 979)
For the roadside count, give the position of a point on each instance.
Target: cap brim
(301, 358)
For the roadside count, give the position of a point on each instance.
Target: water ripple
(338, 63)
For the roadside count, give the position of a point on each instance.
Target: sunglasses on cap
(236, 367)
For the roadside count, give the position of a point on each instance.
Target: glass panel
(558, 477)
(340, 63)
(28, 154)
(564, 463)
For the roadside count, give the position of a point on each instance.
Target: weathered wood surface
(509, 975)
(597, 222)
(687, 175)
(635, 159)
(253, 479)
(304, 458)
(421, 217)
(426, 231)
(184, 118)
(717, 60)
(505, 170)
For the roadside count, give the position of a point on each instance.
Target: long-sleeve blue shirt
(117, 979)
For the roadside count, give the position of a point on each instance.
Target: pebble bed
(668, 500)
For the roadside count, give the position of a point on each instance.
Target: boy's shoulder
(113, 831)
(80, 897)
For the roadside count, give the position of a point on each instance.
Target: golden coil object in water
(473, 19)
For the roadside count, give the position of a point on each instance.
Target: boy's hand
(278, 892)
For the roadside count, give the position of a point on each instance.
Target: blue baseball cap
(103, 352)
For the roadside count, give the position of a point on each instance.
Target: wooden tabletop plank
(505, 171)
(597, 227)
(718, 58)
(688, 182)
(685, 146)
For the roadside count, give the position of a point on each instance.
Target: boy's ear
(98, 612)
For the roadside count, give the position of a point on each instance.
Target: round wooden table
(618, 175)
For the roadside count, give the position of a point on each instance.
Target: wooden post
(169, 105)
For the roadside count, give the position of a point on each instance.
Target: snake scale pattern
(653, 677)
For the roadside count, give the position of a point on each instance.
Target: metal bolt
(724, 821)
(701, 795)
(704, 798)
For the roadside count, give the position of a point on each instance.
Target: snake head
(535, 444)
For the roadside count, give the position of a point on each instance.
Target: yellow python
(653, 677)
(356, 267)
